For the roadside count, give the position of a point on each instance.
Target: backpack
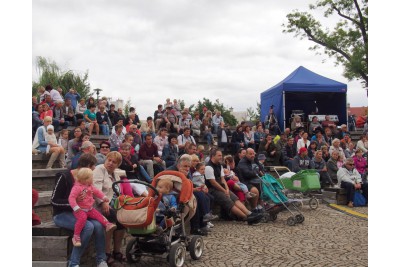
(359, 199)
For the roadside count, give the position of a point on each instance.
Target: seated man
(196, 124)
(69, 112)
(158, 116)
(215, 181)
(248, 176)
(320, 167)
(268, 148)
(148, 156)
(216, 121)
(185, 138)
(222, 134)
(289, 152)
(350, 179)
(58, 116)
(184, 122)
(327, 123)
(302, 161)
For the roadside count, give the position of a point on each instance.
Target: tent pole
(284, 111)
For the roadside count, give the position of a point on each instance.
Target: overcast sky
(151, 50)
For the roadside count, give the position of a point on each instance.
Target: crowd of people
(170, 140)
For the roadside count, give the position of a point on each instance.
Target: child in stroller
(167, 205)
(173, 241)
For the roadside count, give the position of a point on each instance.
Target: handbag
(136, 212)
(359, 199)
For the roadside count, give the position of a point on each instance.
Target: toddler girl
(63, 140)
(83, 208)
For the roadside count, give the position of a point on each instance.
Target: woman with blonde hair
(40, 144)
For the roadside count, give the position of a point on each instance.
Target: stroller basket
(303, 181)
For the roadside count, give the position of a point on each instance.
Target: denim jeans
(67, 220)
(145, 174)
(105, 129)
(208, 137)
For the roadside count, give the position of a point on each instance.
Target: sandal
(110, 259)
(119, 256)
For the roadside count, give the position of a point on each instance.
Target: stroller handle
(134, 181)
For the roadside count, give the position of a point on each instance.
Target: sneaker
(253, 218)
(209, 217)
(110, 227)
(206, 229)
(198, 232)
(76, 241)
(210, 224)
(250, 194)
(102, 264)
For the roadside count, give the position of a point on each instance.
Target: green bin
(303, 181)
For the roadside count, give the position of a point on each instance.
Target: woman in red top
(46, 111)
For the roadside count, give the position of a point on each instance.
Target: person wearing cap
(302, 161)
(87, 147)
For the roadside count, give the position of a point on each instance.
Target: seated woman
(63, 214)
(325, 153)
(90, 119)
(103, 177)
(363, 143)
(350, 151)
(312, 149)
(170, 151)
(296, 123)
(360, 162)
(336, 147)
(47, 111)
(303, 141)
(249, 137)
(102, 120)
(332, 167)
(314, 125)
(237, 139)
(259, 136)
(350, 179)
(40, 143)
(131, 165)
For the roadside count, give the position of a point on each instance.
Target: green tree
(225, 112)
(50, 73)
(254, 115)
(347, 42)
(126, 107)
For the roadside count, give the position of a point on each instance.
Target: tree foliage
(51, 73)
(347, 42)
(254, 115)
(225, 112)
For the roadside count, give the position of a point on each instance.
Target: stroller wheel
(291, 221)
(196, 247)
(313, 203)
(132, 248)
(299, 218)
(267, 217)
(274, 217)
(177, 255)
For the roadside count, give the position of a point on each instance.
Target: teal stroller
(271, 191)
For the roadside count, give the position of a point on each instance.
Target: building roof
(358, 111)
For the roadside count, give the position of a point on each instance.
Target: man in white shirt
(184, 138)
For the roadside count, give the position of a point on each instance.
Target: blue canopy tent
(305, 90)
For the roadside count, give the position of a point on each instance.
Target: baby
(83, 208)
(200, 152)
(230, 175)
(49, 136)
(164, 187)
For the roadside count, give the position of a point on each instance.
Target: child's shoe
(110, 227)
(76, 241)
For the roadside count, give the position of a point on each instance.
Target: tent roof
(304, 80)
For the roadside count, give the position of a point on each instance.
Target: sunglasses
(350, 164)
(106, 147)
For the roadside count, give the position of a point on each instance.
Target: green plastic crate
(303, 181)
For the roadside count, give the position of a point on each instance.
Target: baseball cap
(303, 149)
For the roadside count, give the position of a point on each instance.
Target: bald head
(250, 154)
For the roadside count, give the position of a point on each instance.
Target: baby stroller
(138, 216)
(305, 183)
(272, 190)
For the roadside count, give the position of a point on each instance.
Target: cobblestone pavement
(326, 238)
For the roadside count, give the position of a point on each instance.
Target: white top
(55, 95)
(183, 139)
(209, 173)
